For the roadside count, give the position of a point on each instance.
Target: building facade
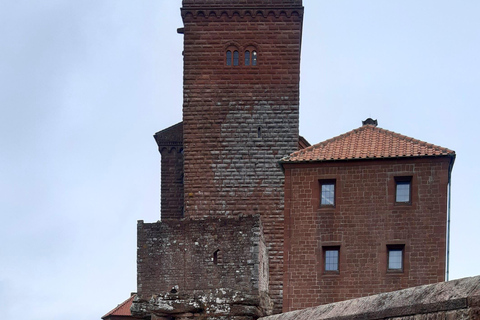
(365, 213)
(256, 221)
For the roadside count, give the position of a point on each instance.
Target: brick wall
(170, 145)
(363, 222)
(240, 120)
(217, 260)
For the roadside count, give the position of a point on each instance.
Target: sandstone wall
(170, 146)
(453, 300)
(202, 266)
(363, 222)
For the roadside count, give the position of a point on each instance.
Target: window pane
(331, 260)
(247, 58)
(254, 58)
(328, 194)
(235, 58)
(403, 191)
(229, 58)
(395, 257)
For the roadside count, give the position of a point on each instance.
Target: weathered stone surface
(201, 304)
(445, 300)
(212, 266)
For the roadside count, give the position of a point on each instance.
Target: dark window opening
(254, 58)
(229, 58)
(259, 132)
(235, 58)
(247, 58)
(217, 257)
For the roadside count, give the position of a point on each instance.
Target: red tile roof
(367, 142)
(123, 309)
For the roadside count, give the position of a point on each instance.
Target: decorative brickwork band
(250, 12)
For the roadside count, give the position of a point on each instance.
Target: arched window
(235, 58)
(254, 58)
(229, 58)
(247, 58)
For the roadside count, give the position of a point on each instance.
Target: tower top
(240, 3)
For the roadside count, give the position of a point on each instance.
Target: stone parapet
(457, 299)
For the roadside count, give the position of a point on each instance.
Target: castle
(255, 220)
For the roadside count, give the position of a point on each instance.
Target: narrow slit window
(259, 132)
(229, 58)
(254, 58)
(247, 58)
(235, 58)
(217, 257)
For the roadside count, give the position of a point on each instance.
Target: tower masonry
(240, 111)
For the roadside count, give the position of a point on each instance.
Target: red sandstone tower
(240, 111)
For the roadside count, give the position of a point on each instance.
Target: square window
(327, 193)
(395, 258)
(403, 189)
(331, 255)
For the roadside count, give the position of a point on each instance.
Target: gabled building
(365, 213)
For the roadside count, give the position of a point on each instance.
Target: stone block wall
(170, 146)
(240, 120)
(363, 222)
(453, 300)
(211, 267)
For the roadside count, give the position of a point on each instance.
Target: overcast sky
(84, 84)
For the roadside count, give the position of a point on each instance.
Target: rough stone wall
(240, 120)
(209, 266)
(364, 220)
(453, 300)
(170, 146)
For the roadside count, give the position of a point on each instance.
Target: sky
(84, 84)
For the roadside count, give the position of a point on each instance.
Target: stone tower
(222, 222)
(240, 111)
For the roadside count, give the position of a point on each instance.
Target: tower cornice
(217, 12)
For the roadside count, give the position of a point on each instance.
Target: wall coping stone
(443, 296)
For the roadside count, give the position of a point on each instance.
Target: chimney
(370, 121)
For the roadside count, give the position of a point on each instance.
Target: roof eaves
(452, 155)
